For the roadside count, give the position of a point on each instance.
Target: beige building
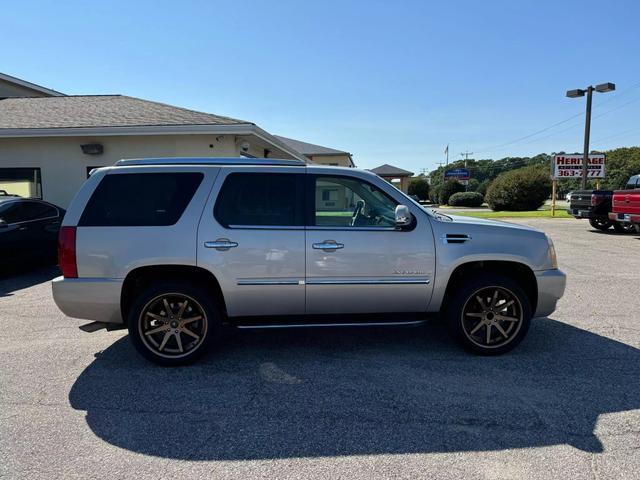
(50, 141)
(319, 154)
(397, 177)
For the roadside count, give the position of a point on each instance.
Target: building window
(25, 182)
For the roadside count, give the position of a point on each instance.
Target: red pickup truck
(625, 204)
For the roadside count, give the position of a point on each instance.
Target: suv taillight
(596, 199)
(67, 252)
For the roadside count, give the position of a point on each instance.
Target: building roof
(310, 149)
(29, 85)
(390, 170)
(90, 111)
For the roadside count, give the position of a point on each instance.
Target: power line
(604, 102)
(530, 135)
(616, 135)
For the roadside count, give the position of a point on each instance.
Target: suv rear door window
(140, 199)
(261, 199)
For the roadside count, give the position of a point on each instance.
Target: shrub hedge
(518, 190)
(466, 199)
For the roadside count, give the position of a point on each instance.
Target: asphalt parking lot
(380, 403)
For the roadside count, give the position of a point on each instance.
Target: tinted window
(11, 212)
(261, 199)
(140, 199)
(38, 211)
(350, 202)
(22, 211)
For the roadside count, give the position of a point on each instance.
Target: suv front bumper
(551, 285)
(579, 213)
(95, 299)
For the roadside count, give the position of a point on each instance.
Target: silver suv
(175, 249)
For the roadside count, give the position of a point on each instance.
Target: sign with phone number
(570, 166)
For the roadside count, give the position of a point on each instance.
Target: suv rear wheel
(600, 223)
(173, 323)
(489, 314)
(623, 227)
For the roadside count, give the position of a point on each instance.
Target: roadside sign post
(460, 174)
(572, 166)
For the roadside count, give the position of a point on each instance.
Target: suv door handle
(221, 244)
(328, 245)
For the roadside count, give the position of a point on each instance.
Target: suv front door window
(348, 202)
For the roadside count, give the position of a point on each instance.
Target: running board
(332, 325)
(95, 326)
(92, 327)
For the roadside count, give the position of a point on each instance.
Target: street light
(602, 88)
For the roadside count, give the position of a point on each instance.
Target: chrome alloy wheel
(491, 317)
(172, 325)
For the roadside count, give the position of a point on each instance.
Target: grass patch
(529, 214)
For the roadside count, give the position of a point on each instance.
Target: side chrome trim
(355, 229)
(392, 281)
(315, 325)
(265, 227)
(270, 282)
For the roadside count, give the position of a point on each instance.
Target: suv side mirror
(403, 216)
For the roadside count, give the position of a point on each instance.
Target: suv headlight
(553, 258)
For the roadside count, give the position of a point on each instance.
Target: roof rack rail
(209, 161)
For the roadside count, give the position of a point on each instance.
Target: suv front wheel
(488, 314)
(173, 323)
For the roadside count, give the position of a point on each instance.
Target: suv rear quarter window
(140, 199)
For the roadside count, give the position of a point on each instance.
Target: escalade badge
(407, 272)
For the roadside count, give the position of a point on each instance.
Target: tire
(468, 322)
(623, 227)
(600, 223)
(180, 337)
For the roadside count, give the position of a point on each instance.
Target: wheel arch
(519, 272)
(140, 278)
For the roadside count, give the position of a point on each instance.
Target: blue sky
(391, 82)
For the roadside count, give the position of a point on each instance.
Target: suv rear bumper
(551, 284)
(95, 299)
(620, 217)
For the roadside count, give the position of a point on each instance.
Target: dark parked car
(28, 229)
(596, 206)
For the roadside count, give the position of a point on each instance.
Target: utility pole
(466, 156)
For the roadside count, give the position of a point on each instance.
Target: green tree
(450, 187)
(473, 185)
(419, 187)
